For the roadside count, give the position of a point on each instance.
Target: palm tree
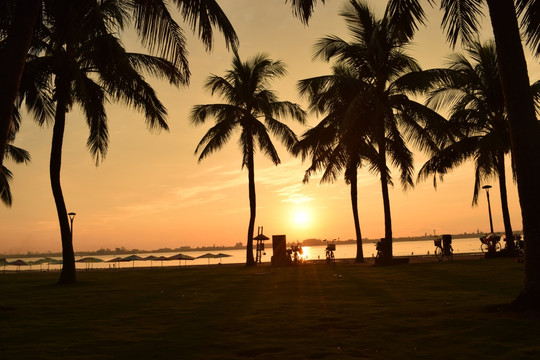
(332, 145)
(390, 118)
(152, 21)
(80, 61)
(477, 114)
(461, 20)
(248, 102)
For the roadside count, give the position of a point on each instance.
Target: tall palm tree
(333, 145)
(151, 18)
(461, 20)
(391, 118)
(474, 95)
(253, 107)
(79, 60)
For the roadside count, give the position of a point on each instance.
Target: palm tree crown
(251, 106)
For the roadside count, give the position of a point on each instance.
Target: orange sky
(150, 192)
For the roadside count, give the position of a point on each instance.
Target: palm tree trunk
(524, 137)
(387, 248)
(250, 261)
(509, 234)
(12, 64)
(67, 276)
(354, 201)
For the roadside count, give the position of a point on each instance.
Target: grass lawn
(443, 310)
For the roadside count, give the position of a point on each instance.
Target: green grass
(448, 310)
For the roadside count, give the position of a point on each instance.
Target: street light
(71, 217)
(487, 187)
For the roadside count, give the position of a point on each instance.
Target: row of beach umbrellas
(91, 260)
(40, 262)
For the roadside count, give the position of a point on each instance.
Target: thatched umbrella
(181, 257)
(132, 258)
(89, 260)
(208, 256)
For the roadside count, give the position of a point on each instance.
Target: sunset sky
(150, 192)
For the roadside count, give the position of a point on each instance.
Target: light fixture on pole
(71, 217)
(487, 187)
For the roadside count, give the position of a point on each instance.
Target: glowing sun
(301, 218)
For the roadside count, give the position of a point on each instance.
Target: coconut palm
(251, 106)
(461, 20)
(474, 95)
(152, 20)
(389, 117)
(79, 60)
(333, 146)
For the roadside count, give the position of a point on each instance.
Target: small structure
(260, 238)
(279, 247)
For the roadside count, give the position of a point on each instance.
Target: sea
(238, 256)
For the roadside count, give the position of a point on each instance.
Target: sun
(301, 218)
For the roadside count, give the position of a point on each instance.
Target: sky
(151, 192)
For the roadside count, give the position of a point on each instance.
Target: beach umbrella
(181, 257)
(151, 258)
(50, 261)
(162, 258)
(89, 260)
(132, 258)
(208, 256)
(221, 255)
(18, 263)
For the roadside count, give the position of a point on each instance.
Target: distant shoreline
(307, 242)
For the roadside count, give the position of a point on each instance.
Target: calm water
(401, 248)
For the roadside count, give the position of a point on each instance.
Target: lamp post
(487, 187)
(71, 217)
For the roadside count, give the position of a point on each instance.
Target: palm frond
(282, 132)
(159, 32)
(529, 11)
(405, 17)
(5, 191)
(202, 16)
(303, 8)
(221, 112)
(264, 142)
(17, 154)
(91, 97)
(215, 138)
(461, 19)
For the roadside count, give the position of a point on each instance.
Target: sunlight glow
(301, 218)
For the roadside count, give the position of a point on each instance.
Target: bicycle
(490, 243)
(443, 248)
(330, 248)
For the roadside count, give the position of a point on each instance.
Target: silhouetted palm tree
(79, 61)
(253, 107)
(461, 19)
(389, 117)
(152, 20)
(473, 93)
(335, 145)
